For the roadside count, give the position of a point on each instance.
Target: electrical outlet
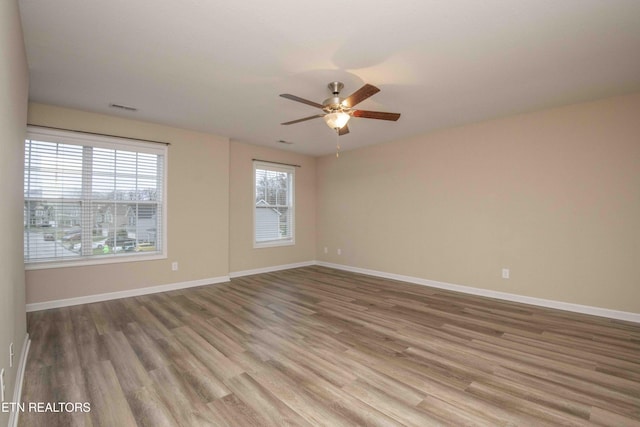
(2, 385)
(505, 273)
(326, 250)
(174, 266)
(11, 354)
(339, 251)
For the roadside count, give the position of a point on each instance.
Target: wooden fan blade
(375, 115)
(302, 120)
(298, 99)
(344, 130)
(360, 95)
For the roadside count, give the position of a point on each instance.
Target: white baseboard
(37, 306)
(577, 308)
(46, 305)
(271, 269)
(17, 387)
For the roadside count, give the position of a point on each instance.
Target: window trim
(46, 134)
(258, 164)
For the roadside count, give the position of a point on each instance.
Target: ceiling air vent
(123, 107)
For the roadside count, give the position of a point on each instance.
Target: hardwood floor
(315, 346)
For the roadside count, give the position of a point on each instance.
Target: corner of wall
(14, 82)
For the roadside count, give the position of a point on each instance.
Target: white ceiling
(219, 66)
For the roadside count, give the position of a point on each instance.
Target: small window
(91, 199)
(273, 213)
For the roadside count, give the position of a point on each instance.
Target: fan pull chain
(337, 143)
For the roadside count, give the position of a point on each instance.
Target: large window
(92, 199)
(273, 204)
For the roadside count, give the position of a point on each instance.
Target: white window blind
(90, 198)
(274, 204)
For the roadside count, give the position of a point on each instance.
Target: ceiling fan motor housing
(334, 103)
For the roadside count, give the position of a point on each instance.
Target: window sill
(273, 244)
(115, 259)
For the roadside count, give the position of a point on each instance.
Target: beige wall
(198, 208)
(554, 196)
(241, 252)
(14, 83)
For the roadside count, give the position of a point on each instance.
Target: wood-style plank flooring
(316, 346)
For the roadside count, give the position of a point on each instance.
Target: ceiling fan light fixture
(336, 120)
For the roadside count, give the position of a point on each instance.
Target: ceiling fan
(338, 111)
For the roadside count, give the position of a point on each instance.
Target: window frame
(79, 138)
(275, 167)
